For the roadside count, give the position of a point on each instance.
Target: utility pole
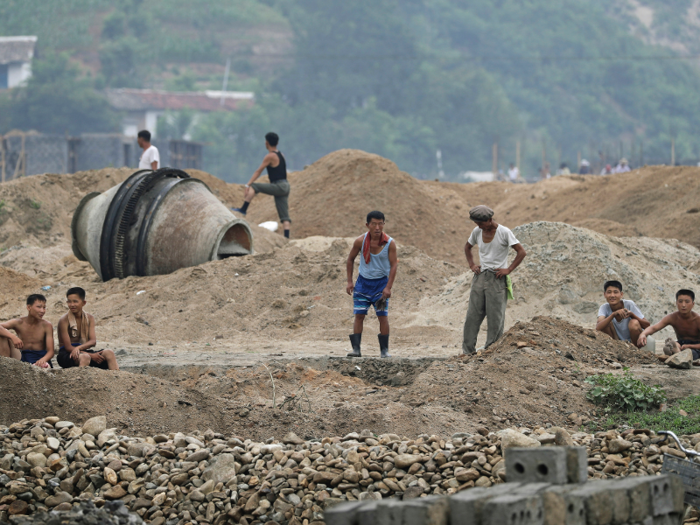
(517, 154)
(673, 151)
(494, 167)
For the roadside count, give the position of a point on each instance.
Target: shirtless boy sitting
(34, 340)
(684, 322)
(76, 334)
(620, 318)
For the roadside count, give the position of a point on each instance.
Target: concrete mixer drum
(154, 223)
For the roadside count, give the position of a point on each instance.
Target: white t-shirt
(621, 327)
(493, 255)
(514, 173)
(149, 155)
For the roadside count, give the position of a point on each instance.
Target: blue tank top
(379, 265)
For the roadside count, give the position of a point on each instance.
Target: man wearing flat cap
(491, 282)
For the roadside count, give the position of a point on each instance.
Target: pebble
(229, 478)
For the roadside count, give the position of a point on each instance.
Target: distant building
(142, 107)
(16, 54)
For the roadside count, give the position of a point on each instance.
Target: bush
(624, 393)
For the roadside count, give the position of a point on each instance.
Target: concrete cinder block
(384, 512)
(433, 510)
(529, 465)
(618, 490)
(598, 503)
(668, 519)
(466, 507)
(346, 513)
(562, 506)
(514, 509)
(576, 464)
(661, 495)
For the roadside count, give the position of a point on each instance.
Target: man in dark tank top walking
(278, 187)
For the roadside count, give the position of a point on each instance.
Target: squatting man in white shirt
(489, 293)
(150, 158)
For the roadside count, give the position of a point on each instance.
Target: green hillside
(400, 78)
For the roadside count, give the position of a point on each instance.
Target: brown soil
(335, 396)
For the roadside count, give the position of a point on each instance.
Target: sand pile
(566, 267)
(291, 293)
(333, 196)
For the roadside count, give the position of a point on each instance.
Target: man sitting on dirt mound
(76, 334)
(684, 322)
(34, 335)
(378, 265)
(491, 284)
(620, 318)
(278, 187)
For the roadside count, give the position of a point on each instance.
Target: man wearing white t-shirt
(150, 158)
(489, 293)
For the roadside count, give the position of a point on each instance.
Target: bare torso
(686, 329)
(32, 334)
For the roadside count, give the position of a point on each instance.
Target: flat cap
(480, 213)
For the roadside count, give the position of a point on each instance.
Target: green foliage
(623, 393)
(671, 419)
(175, 124)
(36, 205)
(58, 100)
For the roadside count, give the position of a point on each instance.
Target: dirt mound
(37, 210)
(566, 267)
(284, 295)
(333, 196)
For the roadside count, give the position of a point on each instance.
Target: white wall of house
(18, 73)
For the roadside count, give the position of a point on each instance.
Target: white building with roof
(16, 54)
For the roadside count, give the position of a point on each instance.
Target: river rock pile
(207, 478)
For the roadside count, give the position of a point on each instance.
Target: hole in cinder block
(571, 508)
(528, 515)
(656, 489)
(666, 487)
(580, 511)
(542, 469)
(514, 518)
(519, 468)
(522, 515)
(539, 514)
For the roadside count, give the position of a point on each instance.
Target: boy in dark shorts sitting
(76, 335)
(684, 322)
(619, 317)
(33, 343)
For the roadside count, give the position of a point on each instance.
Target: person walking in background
(150, 158)
(513, 173)
(585, 168)
(491, 284)
(622, 167)
(278, 187)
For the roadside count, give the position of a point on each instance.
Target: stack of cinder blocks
(547, 486)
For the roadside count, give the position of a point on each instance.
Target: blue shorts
(32, 356)
(367, 293)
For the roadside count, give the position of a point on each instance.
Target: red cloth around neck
(368, 240)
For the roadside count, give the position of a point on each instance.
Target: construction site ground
(256, 345)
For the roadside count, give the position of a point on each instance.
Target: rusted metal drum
(154, 223)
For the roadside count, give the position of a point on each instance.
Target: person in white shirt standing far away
(489, 293)
(150, 158)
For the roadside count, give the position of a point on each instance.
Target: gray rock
(198, 456)
(221, 470)
(682, 360)
(513, 438)
(95, 426)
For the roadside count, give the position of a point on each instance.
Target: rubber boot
(355, 340)
(384, 345)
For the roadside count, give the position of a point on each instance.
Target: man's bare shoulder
(63, 319)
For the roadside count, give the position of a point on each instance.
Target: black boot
(384, 345)
(355, 340)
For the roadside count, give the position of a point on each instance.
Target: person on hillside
(622, 167)
(563, 169)
(150, 158)
(684, 322)
(378, 265)
(607, 170)
(620, 318)
(33, 343)
(585, 168)
(76, 335)
(278, 187)
(491, 284)
(513, 173)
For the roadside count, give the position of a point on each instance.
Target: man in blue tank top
(378, 264)
(278, 187)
